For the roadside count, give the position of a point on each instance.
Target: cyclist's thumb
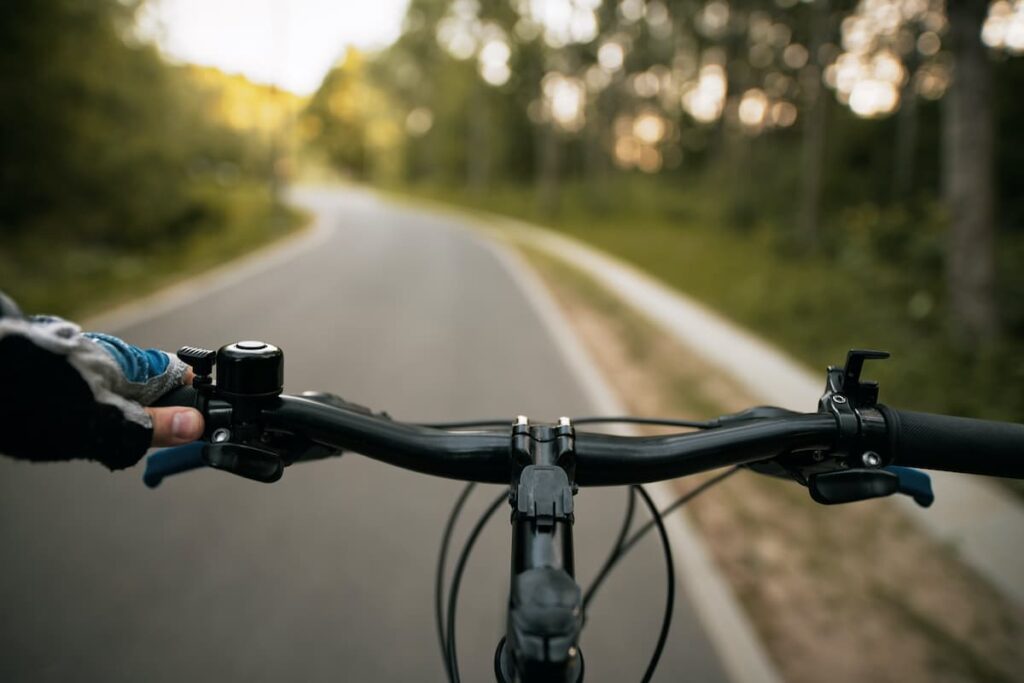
(175, 426)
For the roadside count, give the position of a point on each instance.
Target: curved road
(328, 574)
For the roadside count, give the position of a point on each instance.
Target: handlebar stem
(545, 613)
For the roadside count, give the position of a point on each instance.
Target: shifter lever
(200, 360)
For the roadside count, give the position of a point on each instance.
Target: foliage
(95, 275)
(352, 122)
(533, 92)
(701, 138)
(108, 153)
(100, 137)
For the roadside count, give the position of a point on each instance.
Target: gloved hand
(66, 394)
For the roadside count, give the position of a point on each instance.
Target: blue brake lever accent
(168, 461)
(914, 483)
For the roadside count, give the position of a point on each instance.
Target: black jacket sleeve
(48, 410)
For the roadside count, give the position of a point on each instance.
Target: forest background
(831, 174)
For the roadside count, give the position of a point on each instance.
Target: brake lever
(175, 460)
(914, 483)
(245, 461)
(852, 485)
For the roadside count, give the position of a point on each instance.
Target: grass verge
(77, 279)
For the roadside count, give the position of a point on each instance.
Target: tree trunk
(743, 212)
(596, 160)
(478, 160)
(549, 157)
(968, 180)
(906, 137)
(812, 160)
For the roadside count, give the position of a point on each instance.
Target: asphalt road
(328, 574)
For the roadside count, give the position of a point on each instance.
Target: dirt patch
(846, 593)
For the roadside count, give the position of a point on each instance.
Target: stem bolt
(220, 435)
(871, 459)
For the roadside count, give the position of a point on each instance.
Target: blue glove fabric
(138, 365)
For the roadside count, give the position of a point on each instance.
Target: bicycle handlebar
(916, 440)
(601, 460)
(851, 449)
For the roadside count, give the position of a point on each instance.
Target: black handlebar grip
(182, 396)
(956, 444)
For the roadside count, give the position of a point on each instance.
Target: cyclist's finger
(175, 426)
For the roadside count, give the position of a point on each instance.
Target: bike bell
(251, 369)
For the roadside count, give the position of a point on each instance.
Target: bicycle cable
(627, 522)
(679, 502)
(626, 544)
(439, 576)
(655, 421)
(453, 591)
(670, 593)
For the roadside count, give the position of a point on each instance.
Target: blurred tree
(969, 182)
(540, 93)
(354, 122)
(340, 112)
(100, 139)
(814, 123)
(906, 132)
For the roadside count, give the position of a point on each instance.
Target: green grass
(75, 279)
(878, 287)
(635, 331)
